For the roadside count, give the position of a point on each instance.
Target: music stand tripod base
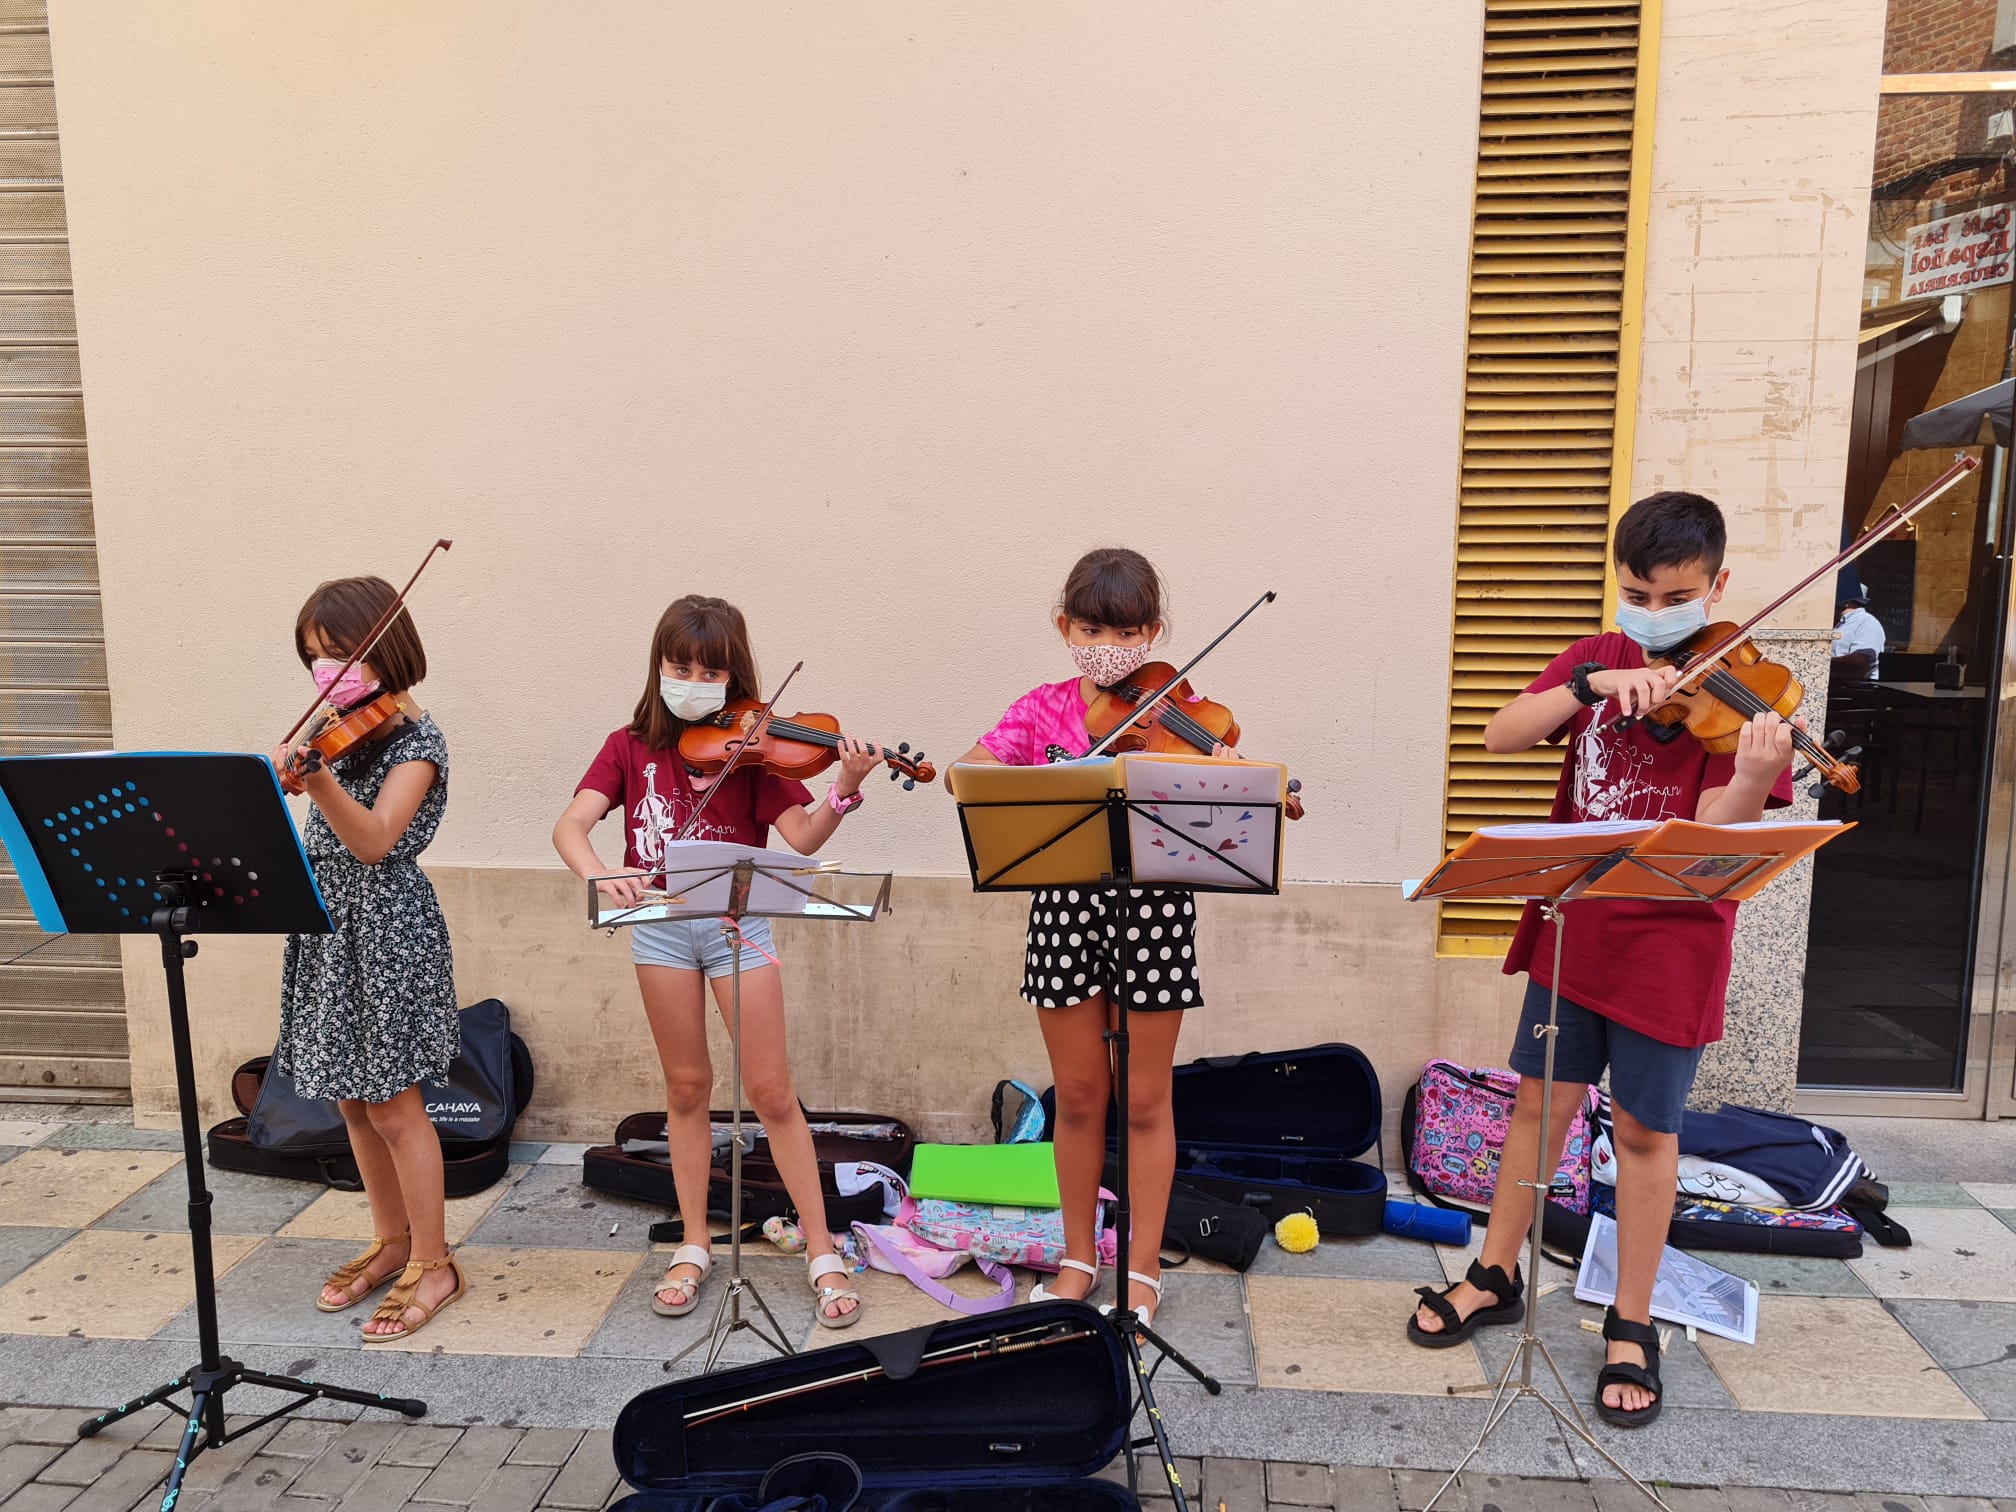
(115, 843)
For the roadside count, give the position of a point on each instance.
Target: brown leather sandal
(404, 1295)
(345, 1275)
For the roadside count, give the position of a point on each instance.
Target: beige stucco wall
(869, 318)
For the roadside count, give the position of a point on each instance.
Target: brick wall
(1937, 36)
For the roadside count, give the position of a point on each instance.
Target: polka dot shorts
(1138, 943)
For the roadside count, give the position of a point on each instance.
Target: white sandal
(1041, 1293)
(832, 1265)
(1147, 1313)
(687, 1287)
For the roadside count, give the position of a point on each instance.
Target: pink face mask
(352, 688)
(1106, 665)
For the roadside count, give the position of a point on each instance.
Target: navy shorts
(1649, 1079)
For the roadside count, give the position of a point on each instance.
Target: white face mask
(1657, 629)
(690, 700)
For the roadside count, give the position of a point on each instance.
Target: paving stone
(1875, 1501)
(83, 1462)
(1413, 1488)
(1685, 1498)
(42, 1496)
(134, 1481)
(301, 1504)
(589, 1475)
(515, 1488)
(1754, 1499)
(1362, 1488)
(1299, 1485)
(22, 1247)
(1957, 1504)
(544, 1446)
(1521, 1493)
(254, 1485)
(110, 1136)
(19, 1464)
(1240, 1484)
(425, 1447)
(1155, 1480)
(1821, 1501)
(468, 1465)
(211, 1468)
(39, 1425)
(304, 1438)
(340, 1466)
(1622, 1496)
(384, 1488)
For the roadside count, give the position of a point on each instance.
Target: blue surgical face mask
(1657, 629)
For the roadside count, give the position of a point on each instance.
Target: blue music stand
(172, 843)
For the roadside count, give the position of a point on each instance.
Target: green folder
(1008, 1175)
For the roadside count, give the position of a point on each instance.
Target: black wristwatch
(1578, 684)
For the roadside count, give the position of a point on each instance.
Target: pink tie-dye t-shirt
(1042, 721)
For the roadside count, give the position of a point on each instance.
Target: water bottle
(1431, 1225)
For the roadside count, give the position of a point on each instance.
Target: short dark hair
(1670, 529)
(707, 632)
(344, 610)
(1113, 587)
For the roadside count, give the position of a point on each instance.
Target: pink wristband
(843, 806)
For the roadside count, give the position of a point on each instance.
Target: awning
(1959, 423)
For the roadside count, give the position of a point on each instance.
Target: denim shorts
(1649, 1079)
(698, 945)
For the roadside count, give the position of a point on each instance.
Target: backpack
(1033, 1237)
(1452, 1130)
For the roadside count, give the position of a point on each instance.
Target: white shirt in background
(1859, 630)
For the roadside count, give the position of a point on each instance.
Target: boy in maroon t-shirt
(1641, 982)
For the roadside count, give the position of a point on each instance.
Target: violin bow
(1182, 672)
(377, 633)
(753, 728)
(1705, 662)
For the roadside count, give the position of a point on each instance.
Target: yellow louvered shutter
(1555, 275)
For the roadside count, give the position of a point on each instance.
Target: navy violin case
(1016, 1411)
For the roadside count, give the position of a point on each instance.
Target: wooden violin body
(335, 733)
(797, 747)
(1742, 683)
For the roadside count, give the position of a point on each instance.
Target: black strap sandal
(1509, 1308)
(1618, 1330)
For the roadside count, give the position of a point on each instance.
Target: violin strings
(1738, 695)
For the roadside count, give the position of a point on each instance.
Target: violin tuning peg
(1817, 791)
(894, 774)
(903, 749)
(1294, 784)
(909, 784)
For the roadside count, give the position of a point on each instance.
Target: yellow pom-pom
(1296, 1233)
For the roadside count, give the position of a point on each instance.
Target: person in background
(1858, 637)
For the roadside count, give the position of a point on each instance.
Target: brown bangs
(344, 610)
(1113, 587)
(708, 632)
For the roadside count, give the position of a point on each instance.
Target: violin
(1155, 710)
(801, 746)
(1725, 681)
(337, 732)
(1739, 683)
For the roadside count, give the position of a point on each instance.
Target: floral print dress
(369, 1010)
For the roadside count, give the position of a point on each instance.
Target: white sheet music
(1195, 818)
(699, 876)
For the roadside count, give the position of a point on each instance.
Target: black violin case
(1281, 1131)
(998, 1424)
(648, 1177)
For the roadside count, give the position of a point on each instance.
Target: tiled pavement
(1892, 1373)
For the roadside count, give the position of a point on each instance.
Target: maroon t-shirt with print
(1659, 968)
(656, 796)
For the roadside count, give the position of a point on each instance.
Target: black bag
(1199, 1223)
(303, 1139)
(647, 1175)
(980, 1428)
(1280, 1131)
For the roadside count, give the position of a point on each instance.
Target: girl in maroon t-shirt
(700, 660)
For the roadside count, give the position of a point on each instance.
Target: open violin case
(1014, 1412)
(1281, 1131)
(849, 1138)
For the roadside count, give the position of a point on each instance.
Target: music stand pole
(728, 1317)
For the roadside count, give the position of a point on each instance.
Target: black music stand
(172, 844)
(1711, 864)
(1185, 824)
(720, 880)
